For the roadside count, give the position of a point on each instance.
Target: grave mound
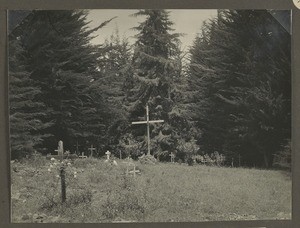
(147, 159)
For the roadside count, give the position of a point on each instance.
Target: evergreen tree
(25, 111)
(156, 67)
(114, 68)
(241, 65)
(63, 63)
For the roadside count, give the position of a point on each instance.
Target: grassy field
(165, 192)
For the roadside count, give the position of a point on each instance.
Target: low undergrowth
(163, 192)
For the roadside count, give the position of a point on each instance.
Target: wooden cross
(92, 149)
(148, 122)
(82, 155)
(77, 147)
(128, 163)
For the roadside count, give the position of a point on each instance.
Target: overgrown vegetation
(162, 193)
(232, 95)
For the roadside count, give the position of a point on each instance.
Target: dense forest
(229, 94)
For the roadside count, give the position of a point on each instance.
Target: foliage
(114, 67)
(188, 149)
(147, 159)
(162, 193)
(62, 63)
(240, 77)
(189, 161)
(123, 202)
(130, 146)
(232, 94)
(156, 66)
(283, 158)
(25, 112)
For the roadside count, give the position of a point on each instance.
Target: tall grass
(163, 192)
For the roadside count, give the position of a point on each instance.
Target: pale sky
(185, 21)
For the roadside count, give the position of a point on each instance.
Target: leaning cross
(92, 149)
(148, 122)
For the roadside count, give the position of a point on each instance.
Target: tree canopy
(231, 96)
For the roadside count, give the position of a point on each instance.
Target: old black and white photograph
(149, 115)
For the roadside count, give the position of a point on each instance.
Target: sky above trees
(187, 22)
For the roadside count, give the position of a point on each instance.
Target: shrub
(189, 148)
(189, 161)
(283, 158)
(218, 159)
(198, 158)
(213, 159)
(131, 146)
(147, 159)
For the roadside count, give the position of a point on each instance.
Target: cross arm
(151, 121)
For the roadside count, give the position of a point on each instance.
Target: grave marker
(77, 147)
(82, 155)
(60, 149)
(129, 163)
(63, 184)
(148, 122)
(108, 153)
(92, 149)
(172, 157)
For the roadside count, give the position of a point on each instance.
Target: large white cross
(148, 122)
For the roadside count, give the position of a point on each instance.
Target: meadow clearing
(163, 192)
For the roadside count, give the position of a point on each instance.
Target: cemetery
(97, 191)
(64, 187)
(158, 120)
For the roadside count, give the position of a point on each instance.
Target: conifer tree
(156, 67)
(25, 110)
(114, 67)
(63, 63)
(242, 69)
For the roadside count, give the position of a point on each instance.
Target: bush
(283, 158)
(147, 159)
(189, 148)
(218, 159)
(213, 159)
(198, 159)
(131, 146)
(189, 161)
